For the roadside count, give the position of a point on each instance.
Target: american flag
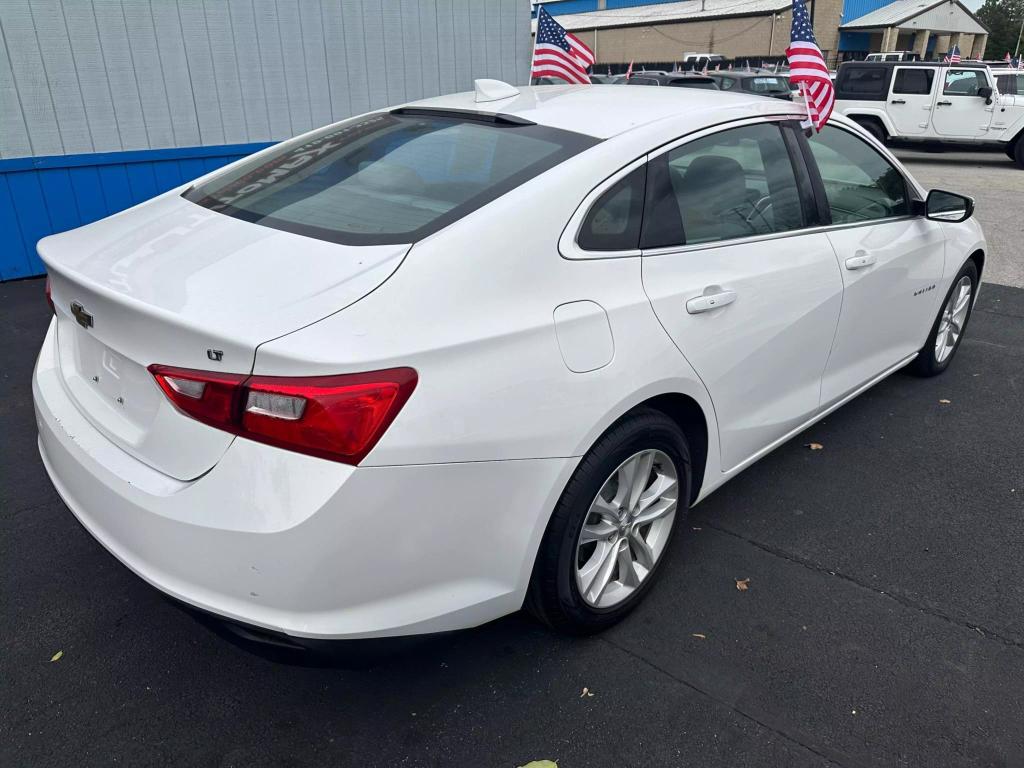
(556, 53)
(954, 56)
(807, 68)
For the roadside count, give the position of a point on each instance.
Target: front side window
(386, 178)
(726, 83)
(736, 183)
(964, 82)
(860, 184)
(613, 223)
(913, 81)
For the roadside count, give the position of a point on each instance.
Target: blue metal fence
(43, 195)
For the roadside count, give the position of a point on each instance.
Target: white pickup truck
(965, 103)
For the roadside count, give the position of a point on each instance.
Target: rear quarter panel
(471, 309)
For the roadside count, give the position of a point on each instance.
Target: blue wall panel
(854, 9)
(43, 195)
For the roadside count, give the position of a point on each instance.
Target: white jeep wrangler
(934, 102)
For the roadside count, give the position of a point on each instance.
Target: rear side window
(860, 184)
(913, 81)
(864, 82)
(387, 178)
(1011, 85)
(964, 82)
(736, 183)
(613, 223)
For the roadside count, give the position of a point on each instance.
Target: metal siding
(854, 9)
(13, 130)
(249, 68)
(61, 76)
(30, 78)
(196, 44)
(446, 70)
(430, 73)
(293, 50)
(315, 46)
(112, 31)
(91, 74)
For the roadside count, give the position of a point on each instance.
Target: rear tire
(874, 128)
(1018, 152)
(601, 528)
(950, 325)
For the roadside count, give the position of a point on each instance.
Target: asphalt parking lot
(883, 624)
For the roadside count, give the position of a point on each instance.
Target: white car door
(1010, 106)
(959, 111)
(748, 296)
(911, 98)
(891, 261)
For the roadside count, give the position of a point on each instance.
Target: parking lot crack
(961, 622)
(752, 712)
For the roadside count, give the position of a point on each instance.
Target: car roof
(603, 111)
(880, 64)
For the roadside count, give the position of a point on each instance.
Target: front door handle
(899, 101)
(710, 301)
(860, 261)
(944, 103)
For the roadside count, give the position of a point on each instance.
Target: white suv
(952, 103)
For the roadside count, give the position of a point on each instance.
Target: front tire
(874, 128)
(612, 526)
(949, 327)
(1018, 152)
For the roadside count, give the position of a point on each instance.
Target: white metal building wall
(85, 76)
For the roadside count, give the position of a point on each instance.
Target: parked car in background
(955, 104)
(607, 79)
(413, 370)
(674, 80)
(759, 83)
(893, 56)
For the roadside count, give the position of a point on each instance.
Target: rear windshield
(767, 84)
(386, 178)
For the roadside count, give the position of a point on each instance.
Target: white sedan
(414, 370)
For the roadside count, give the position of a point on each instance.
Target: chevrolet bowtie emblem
(84, 318)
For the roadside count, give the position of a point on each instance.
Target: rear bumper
(302, 546)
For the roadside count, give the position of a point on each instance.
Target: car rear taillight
(339, 417)
(49, 296)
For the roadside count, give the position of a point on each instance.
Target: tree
(1003, 19)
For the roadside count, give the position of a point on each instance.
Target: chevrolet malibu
(420, 368)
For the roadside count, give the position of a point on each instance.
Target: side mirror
(948, 206)
(986, 92)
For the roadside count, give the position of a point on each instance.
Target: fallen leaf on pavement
(57, 656)
(945, 402)
(586, 692)
(699, 635)
(815, 446)
(540, 764)
(742, 584)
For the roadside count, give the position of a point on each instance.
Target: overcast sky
(973, 4)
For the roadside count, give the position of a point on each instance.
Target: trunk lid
(171, 282)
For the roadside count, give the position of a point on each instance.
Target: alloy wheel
(626, 528)
(953, 316)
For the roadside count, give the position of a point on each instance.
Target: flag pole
(533, 53)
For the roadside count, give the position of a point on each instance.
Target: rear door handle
(944, 103)
(710, 301)
(860, 261)
(899, 101)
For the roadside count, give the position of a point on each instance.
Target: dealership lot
(883, 623)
